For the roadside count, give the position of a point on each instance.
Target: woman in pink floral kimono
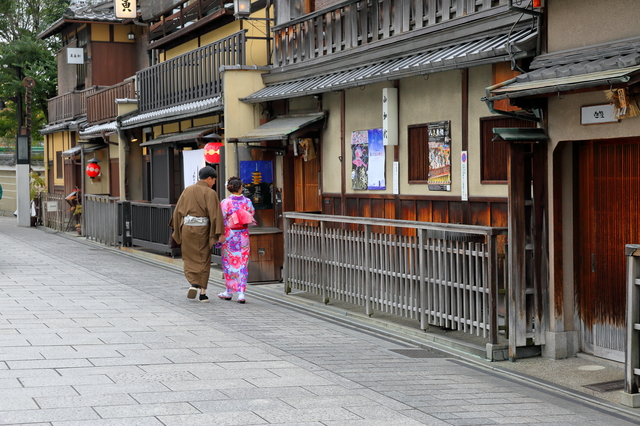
(235, 250)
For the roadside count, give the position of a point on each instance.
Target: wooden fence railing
(190, 77)
(69, 105)
(445, 275)
(358, 22)
(631, 395)
(101, 105)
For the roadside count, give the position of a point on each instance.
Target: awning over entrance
(282, 128)
(189, 136)
(88, 147)
(604, 65)
(464, 54)
(520, 134)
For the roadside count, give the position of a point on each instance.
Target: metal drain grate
(418, 353)
(606, 386)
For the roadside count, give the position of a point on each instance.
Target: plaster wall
(239, 117)
(573, 24)
(8, 203)
(332, 146)
(479, 79)
(421, 101)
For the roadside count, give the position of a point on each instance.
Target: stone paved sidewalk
(90, 336)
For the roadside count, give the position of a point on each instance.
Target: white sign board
(125, 8)
(75, 55)
(192, 162)
(390, 116)
(598, 114)
(396, 186)
(51, 206)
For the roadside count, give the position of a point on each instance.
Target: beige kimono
(197, 241)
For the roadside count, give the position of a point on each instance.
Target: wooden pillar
(517, 242)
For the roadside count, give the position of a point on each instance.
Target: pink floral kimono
(235, 250)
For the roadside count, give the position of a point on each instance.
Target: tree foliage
(23, 54)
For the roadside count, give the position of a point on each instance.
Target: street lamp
(241, 9)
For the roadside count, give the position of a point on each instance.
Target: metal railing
(101, 219)
(631, 394)
(101, 105)
(358, 22)
(145, 225)
(190, 77)
(440, 274)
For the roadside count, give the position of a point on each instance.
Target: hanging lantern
(212, 152)
(93, 168)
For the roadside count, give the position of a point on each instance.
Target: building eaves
(456, 55)
(177, 112)
(99, 12)
(98, 130)
(602, 65)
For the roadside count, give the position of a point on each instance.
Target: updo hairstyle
(234, 184)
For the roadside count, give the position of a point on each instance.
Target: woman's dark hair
(234, 184)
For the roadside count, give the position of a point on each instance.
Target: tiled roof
(457, 55)
(98, 11)
(593, 66)
(176, 112)
(605, 57)
(67, 125)
(98, 129)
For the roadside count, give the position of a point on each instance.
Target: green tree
(23, 54)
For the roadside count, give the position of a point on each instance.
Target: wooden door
(306, 185)
(608, 217)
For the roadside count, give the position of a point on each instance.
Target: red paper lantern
(212, 152)
(93, 169)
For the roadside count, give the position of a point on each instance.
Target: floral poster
(439, 156)
(368, 160)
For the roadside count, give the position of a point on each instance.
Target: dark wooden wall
(111, 62)
(445, 209)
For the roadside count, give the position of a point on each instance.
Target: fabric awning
(281, 128)
(520, 134)
(192, 135)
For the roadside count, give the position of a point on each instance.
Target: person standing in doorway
(198, 225)
(235, 250)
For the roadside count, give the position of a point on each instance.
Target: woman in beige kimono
(198, 224)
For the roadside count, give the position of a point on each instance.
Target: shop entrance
(608, 217)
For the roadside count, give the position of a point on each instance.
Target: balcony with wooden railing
(190, 77)
(185, 15)
(354, 23)
(101, 105)
(69, 106)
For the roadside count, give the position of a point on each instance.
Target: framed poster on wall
(439, 156)
(368, 160)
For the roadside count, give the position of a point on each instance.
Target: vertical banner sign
(464, 183)
(439, 156)
(192, 162)
(368, 160)
(390, 116)
(396, 180)
(125, 8)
